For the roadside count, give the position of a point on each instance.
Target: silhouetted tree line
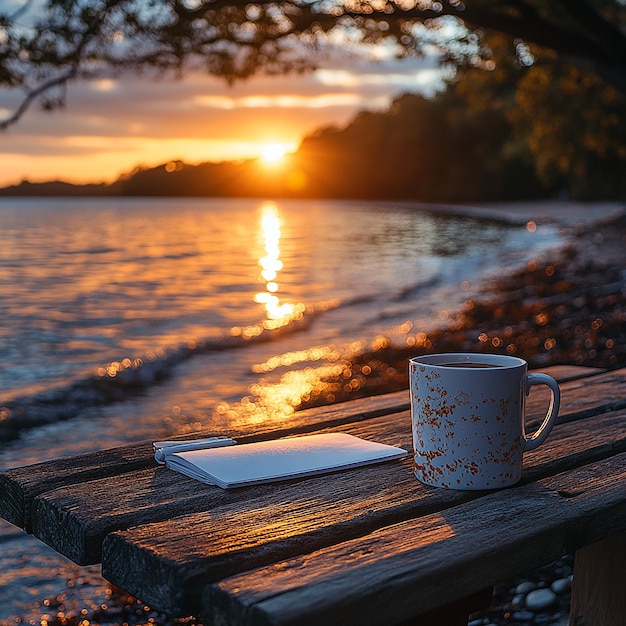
(422, 149)
(536, 104)
(473, 142)
(511, 133)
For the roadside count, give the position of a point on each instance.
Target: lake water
(131, 319)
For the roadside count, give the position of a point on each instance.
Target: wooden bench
(364, 546)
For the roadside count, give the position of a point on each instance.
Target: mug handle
(539, 436)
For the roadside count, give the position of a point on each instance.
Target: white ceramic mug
(467, 412)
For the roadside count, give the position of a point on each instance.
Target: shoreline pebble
(566, 309)
(540, 598)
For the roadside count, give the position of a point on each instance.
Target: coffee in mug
(467, 413)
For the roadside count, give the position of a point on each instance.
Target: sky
(111, 126)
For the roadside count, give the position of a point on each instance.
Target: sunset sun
(272, 153)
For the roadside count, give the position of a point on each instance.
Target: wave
(130, 377)
(122, 380)
(411, 290)
(95, 250)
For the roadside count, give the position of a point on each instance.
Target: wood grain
(19, 486)
(565, 373)
(164, 537)
(303, 516)
(404, 570)
(75, 520)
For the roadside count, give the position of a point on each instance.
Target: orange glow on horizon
(104, 160)
(273, 153)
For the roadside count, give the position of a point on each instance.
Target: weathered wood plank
(18, 487)
(404, 570)
(599, 591)
(75, 519)
(282, 521)
(608, 390)
(565, 373)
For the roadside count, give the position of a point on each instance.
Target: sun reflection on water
(275, 399)
(271, 264)
(311, 376)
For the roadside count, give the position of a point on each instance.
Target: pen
(161, 447)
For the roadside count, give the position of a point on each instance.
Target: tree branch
(236, 38)
(31, 96)
(604, 32)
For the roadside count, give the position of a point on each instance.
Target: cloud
(288, 101)
(111, 125)
(423, 79)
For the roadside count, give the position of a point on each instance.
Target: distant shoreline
(563, 213)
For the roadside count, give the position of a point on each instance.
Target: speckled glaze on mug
(467, 412)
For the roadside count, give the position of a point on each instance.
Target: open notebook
(230, 465)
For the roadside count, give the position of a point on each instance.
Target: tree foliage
(575, 128)
(538, 91)
(567, 121)
(45, 44)
(420, 149)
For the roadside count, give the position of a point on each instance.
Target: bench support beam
(599, 587)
